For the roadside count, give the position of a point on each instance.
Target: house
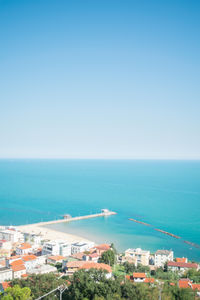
(55, 259)
(98, 266)
(73, 266)
(4, 285)
(163, 256)
(139, 277)
(184, 283)
(18, 270)
(5, 274)
(32, 238)
(30, 261)
(181, 266)
(7, 245)
(137, 256)
(181, 259)
(78, 256)
(94, 257)
(81, 247)
(11, 235)
(57, 247)
(24, 248)
(42, 269)
(100, 249)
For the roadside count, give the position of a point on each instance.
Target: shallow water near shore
(165, 194)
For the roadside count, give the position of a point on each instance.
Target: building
(73, 266)
(139, 277)
(42, 269)
(4, 285)
(32, 238)
(99, 266)
(181, 266)
(5, 274)
(137, 256)
(11, 235)
(181, 259)
(55, 259)
(30, 261)
(163, 256)
(57, 247)
(94, 257)
(24, 248)
(18, 271)
(100, 249)
(7, 245)
(81, 247)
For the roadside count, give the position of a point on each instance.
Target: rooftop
(163, 252)
(182, 265)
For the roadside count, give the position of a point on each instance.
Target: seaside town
(30, 252)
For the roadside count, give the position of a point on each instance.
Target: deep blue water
(165, 194)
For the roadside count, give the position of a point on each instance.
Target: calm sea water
(165, 194)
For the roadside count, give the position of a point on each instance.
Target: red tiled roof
(139, 275)
(196, 286)
(75, 264)
(5, 285)
(78, 255)
(17, 262)
(18, 268)
(24, 275)
(181, 259)
(184, 283)
(93, 255)
(24, 246)
(93, 265)
(149, 280)
(103, 247)
(128, 277)
(172, 283)
(29, 257)
(56, 257)
(182, 265)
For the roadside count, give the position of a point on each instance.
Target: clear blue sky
(100, 79)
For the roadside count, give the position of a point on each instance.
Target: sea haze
(165, 194)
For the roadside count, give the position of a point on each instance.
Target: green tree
(108, 257)
(129, 267)
(17, 293)
(40, 284)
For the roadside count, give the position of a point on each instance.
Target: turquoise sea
(165, 194)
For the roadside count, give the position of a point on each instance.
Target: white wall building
(23, 249)
(81, 247)
(5, 274)
(11, 235)
(138, 256)
(57, 247)
(163, 256)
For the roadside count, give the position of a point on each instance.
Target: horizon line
(101, 158)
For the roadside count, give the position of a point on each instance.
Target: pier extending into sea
(68, 218)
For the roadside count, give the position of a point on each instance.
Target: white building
(163, 256)
(11, 235)
(32, 238)
(137, 256)
(81, 247)
(7, 245)
(57, 247)
(42, 269)
(5, 274)
(24, 248)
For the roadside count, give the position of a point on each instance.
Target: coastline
(51, 234)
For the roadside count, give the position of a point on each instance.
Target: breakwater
(166, 232)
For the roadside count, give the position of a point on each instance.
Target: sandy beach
(49, 234)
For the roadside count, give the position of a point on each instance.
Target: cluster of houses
(22, 254)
